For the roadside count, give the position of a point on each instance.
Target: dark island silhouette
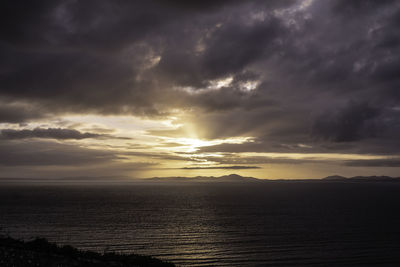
(361, 178)
(235, 178)
(231, 178)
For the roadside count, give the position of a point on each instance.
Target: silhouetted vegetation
(40, 252)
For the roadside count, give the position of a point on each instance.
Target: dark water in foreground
(276, 224)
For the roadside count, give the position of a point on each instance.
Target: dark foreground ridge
(41, 253)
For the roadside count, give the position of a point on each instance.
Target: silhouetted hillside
(39, 252)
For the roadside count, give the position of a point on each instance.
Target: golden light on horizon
(173, 145)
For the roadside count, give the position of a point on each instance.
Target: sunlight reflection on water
(246, 225)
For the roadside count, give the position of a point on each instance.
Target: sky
(290, 89)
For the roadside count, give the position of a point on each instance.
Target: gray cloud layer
(50, 154)
(327, 74)
(54, 133)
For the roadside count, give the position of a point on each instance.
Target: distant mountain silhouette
(221, 179)
(235, 178)
(231, 178)
(334, 178)
(361, 178)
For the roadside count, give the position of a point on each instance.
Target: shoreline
(40, 252)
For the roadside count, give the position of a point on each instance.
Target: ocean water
(267, 224)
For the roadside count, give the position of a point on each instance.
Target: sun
(193, 144)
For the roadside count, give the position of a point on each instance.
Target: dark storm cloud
(14, 113)
(99, 24)
(50, 154)
(24, 20)
(358, 6)
(228, 49)
(201, 5)
(61, 78)
(355, 122)
(54, 133)
(374, 163)
(197, 5)
(59, 51)
(330, 70)
(235, 46)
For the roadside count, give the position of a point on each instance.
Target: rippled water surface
(275, 223)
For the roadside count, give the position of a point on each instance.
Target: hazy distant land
(231, 178)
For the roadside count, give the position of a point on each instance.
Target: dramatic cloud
(213, 79)
(16, 113)
(354, 122)
(55, 133)
(374, 163)
(48, 153)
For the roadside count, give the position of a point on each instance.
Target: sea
(282, 223)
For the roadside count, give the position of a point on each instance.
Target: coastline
(40, 252)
